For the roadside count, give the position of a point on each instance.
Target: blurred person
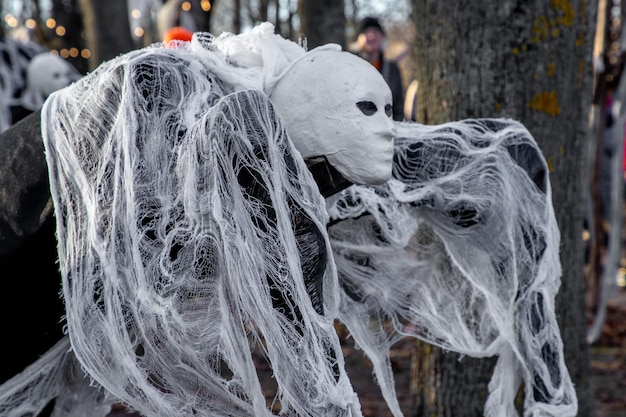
(370, 45)
(171, 14)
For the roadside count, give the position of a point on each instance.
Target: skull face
(48, 73)
(337, 105)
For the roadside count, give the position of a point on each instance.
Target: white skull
(338, 105)
(46, 73)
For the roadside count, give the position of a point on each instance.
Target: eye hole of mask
(388, 110)
(368, 108)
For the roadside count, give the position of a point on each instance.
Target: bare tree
(237, 16)
(202, 16)
(322, 21)
(67, 14)
(531, 61)
(107, 29)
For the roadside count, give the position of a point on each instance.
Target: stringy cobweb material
(191, 232)
(459, 249)
(178, 249)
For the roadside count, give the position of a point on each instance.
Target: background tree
(322, 21)
(530, 61)
(107, 29)
(67, 14)
(201, 13)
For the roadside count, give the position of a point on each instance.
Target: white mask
(46, 73)
(338, 105)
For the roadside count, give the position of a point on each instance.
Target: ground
(608, 361)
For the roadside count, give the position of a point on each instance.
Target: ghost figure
(14, 59)
(208, 208)
(45, 74)
(191, 231)
(351, 125)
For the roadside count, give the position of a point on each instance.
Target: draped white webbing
(460, 249)
(191, 233)
(182, 216)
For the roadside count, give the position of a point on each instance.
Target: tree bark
(530, 61)
(202, 17)
(322, 22)
(107, 29)
(68, 15)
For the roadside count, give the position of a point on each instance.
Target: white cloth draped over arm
(191, 233)
(185, 217)
(460, 249)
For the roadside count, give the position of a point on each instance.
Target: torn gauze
(459, 249)
(190, 231)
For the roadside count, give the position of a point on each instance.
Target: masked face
(338, 105)
(48, 73)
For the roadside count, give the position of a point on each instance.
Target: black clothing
(33, 308)
(391, 74)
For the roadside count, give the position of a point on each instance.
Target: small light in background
(11, 20)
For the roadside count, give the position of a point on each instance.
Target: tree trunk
(68, 14)
(107, 29)
(530, 61)
(202, 15)
(322, 22)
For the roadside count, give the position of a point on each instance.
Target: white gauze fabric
(190, 231)
(459, 249)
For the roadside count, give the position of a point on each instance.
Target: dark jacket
(391, 74)
(32, 309)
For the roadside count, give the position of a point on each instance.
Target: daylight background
(553, 65)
